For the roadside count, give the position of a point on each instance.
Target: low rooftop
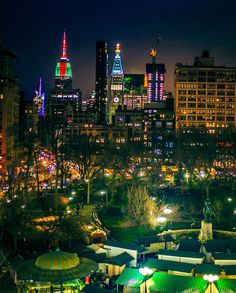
(177, 253)
(224, 256)
(189, 245)
(120, 260)
(206, 269)
(122, 245)
(226, 285)
(147, 240)
(130, 277)
(215, 246)
(167, 265)
(229, 270)
(168, 283)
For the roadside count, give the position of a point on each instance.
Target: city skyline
(186, 31)
(131, 156)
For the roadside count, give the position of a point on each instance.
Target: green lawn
(129, 234)
(7, 288)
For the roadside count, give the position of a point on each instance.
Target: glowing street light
(161, 219)
(88, 190)
(167, 211)
(145, 272)
(141, 174)
(211, 279)
(187, 176)
(104, 192)
(229, 199)
(202, 174)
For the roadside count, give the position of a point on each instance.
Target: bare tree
(196, 154)
(87, 158)
(29, 144)
(141, 207)
(114, 159)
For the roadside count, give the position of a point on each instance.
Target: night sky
(34, 29)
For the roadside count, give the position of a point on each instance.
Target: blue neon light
(117, 68)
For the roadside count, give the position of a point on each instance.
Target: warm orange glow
(46, 219)
(64, 200)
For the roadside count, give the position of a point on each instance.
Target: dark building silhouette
(101, 81)
(9, 111)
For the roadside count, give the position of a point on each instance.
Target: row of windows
(202, 105)
(208, 124)
(210, 80)
(209, 73)
(203, 111)
(203, 92)
(206, 99)
(207, 118)
(205, 86)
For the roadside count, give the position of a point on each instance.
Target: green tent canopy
(55, 267)
(130, 277)
(226, 285)
(167, 283)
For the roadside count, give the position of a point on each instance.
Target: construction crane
(153, 53)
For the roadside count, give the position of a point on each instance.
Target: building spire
(40, 86)
(63, 67)
(117, 49)
(117, 68)
(64, 46)
(39, 99)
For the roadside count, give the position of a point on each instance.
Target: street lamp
(161, 219)
(106, 198)
(187, 176)
(145, 272)
(202, 174)
(211, 279)
(167, 211)
(88, 190)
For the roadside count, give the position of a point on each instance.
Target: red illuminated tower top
(64, 47)
(63, 73)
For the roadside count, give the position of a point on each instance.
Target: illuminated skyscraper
(135, 91)
(155, 81)
(39, 99)
(117, 83)
(63, 96)
(205, 95)
(9, 111)
(63, 72)
(91, 103)
(101, 81)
